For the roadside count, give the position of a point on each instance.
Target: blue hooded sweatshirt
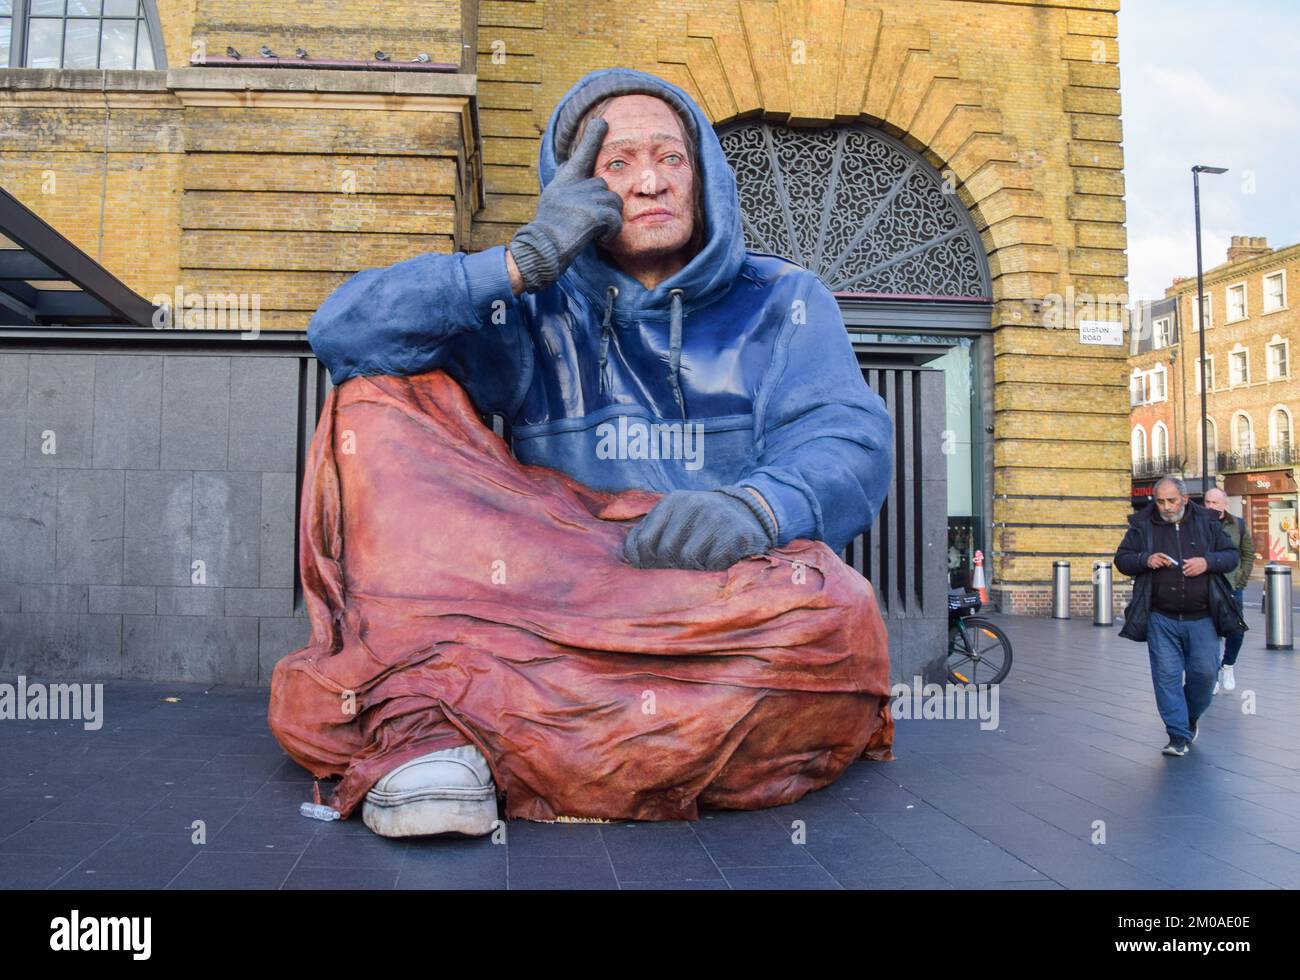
(735, 371)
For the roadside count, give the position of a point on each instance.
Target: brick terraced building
(1251, 399)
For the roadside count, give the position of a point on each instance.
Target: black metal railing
(1159, 466)
(1258, 459)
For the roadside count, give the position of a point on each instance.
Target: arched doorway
(889, 235)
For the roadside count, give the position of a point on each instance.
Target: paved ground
(1078, 742)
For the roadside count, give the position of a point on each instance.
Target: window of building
(1209, 312)
(1209, 372)
(1139, 445)
(1243, 434)
(1137, 388)
(1279, 428)
(1160, 442)
(1211, 446)
(1278, 358)
(1275, 292)
(1157, 392)
(79, 34)
(1163, 332)
(1236, 302)
(1238, 367)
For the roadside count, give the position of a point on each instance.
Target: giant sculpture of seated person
(638, 608)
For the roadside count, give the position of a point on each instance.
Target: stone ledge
(242, 79)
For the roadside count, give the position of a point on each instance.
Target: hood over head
(713, 270)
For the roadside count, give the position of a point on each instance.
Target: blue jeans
(1177, 648)
(1233, 641)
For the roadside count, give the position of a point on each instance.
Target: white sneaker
(1226, 677)
(448, 791)
(1216, 686)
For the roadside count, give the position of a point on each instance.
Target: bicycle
(978, 651)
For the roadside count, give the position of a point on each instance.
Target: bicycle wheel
(978, 652)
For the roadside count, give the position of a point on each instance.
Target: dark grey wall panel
(89, 541)
(159, 517)
(128, 412)
(264, 428)
(227, 515)
(28, 508)
(171, 448)
(60, 645)
(196, 413)
(277, 531)
(13, 409)
(60, 395)
(277, 637)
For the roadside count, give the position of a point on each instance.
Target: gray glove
(704, 530)
(574, 208)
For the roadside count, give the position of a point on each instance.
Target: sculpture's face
(644, 160)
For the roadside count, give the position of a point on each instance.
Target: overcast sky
(1212, 82)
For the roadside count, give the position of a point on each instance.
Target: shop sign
(1247, 484)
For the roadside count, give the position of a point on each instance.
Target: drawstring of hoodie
(675, 349)
(674, 344)
(605, 328)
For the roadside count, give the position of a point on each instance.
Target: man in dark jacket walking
(1177, 552)
(1239, 535)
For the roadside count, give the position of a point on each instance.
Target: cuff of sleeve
(488, 277)
(794, 516)
(757, 506)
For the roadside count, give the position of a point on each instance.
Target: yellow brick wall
(342, 29)
(104, 171)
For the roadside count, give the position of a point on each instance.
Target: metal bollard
(1278, 629)
(1103, 599)
(1060, 590)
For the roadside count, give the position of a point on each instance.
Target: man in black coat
(1177, 554)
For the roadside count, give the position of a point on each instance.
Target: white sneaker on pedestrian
(448, 791)
(1227, 679)
(1216, 686)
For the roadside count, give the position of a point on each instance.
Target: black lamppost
(1200, 315)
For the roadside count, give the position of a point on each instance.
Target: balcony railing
(1144, 469)
(1258, 459)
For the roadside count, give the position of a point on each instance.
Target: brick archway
(854, 66)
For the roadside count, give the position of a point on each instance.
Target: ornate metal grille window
(864, 212)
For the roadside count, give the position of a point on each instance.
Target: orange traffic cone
(977, 580)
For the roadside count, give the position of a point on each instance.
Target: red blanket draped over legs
(458, 596)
